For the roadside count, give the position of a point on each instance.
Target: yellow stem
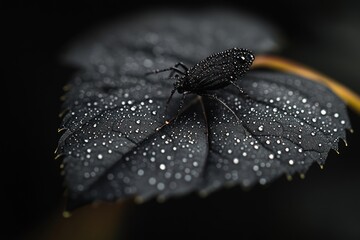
(282, 64)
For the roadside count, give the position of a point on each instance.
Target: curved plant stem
(282, 64)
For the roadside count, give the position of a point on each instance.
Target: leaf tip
(62, 113)
(345, 142)
(61, 129)
(203, 193)
(161, 199)
(66, 87)
(58, 155)
(289, 177)
(63, 98)
(66, 214)
(139, 199)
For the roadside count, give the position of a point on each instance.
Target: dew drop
(187, 178)
(261, 128)
(152, 181)
(160, 186)
(80, 187)
(291, 162)
(262, 181)
(162, 166)
(148, 63)
(140, 172)
(323, 112)
(236, 160)
(110, 176)
(100, 156)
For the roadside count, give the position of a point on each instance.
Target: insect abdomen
(218, 70)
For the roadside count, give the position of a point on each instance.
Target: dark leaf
(161, 38)
(117, 146)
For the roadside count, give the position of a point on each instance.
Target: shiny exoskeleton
(214, 72)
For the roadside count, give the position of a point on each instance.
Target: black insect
(214, 72)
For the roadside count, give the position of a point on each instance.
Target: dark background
(323, 35)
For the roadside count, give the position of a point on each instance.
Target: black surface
(322, 35)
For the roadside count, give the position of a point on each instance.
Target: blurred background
(320, 34)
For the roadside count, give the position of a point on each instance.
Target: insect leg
(182, 65)
(165, 69)
(240, 89)
(173, 72)
(204, 113)
(168, 101)
(213, 96)
(180, 106)
(176, 67)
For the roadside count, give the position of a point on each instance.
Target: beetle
(214, 72)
